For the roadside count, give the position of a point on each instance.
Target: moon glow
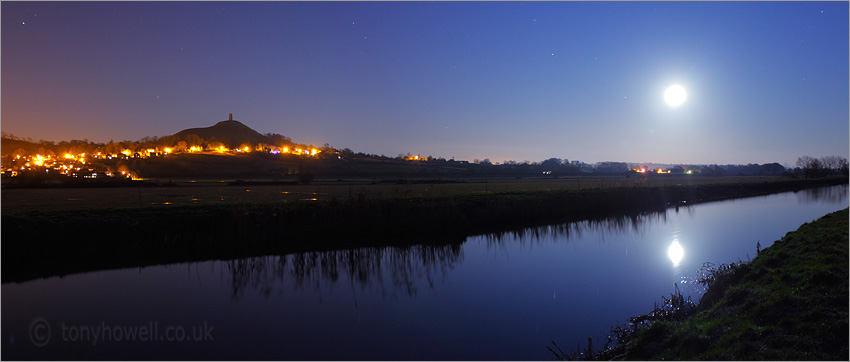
(675, 95)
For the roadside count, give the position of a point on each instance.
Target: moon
(675, 95)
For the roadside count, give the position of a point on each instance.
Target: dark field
(216, 192)
(231, 222)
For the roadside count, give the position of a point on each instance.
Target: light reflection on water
(675, 252)
(497, 296)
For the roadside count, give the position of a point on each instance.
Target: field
(216, 221)
(216, 192)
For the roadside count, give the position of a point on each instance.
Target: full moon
(675, 95)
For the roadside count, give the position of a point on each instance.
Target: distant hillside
(231, 133)
(9, 146)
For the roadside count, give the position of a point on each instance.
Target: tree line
(811, 167)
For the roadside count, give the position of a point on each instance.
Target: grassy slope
(234, 133)
(790, 303)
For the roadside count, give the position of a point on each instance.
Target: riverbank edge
(39, 245)
(788, 303)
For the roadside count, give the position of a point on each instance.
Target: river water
(492, 297)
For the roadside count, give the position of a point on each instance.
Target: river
(493, 297)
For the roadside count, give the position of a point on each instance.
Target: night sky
(766, 82)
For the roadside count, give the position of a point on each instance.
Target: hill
(230, 133)
(9, 146)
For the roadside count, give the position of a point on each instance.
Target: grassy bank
(789, 303)
(41, 244)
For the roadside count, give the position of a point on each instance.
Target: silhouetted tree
(771, 169)
(833, 164)
(551, 164)
(713, 170)
(278, 139)
(812, 167)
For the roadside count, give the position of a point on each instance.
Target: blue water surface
(492, 297)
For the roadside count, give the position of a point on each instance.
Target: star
(23, 23)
